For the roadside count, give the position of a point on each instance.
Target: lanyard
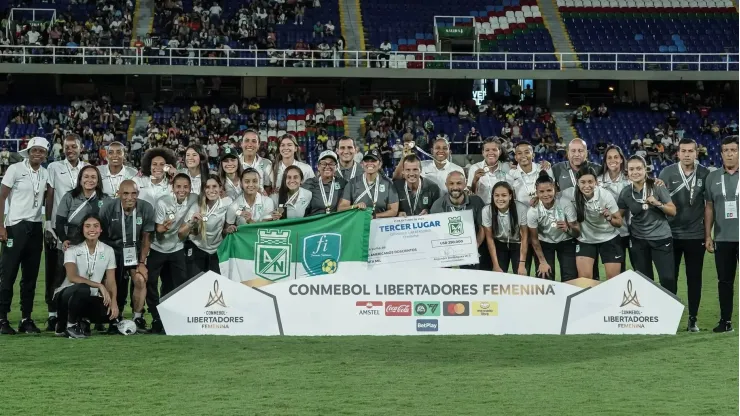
(529, 186)
(724, 192)
(416, 197)
(688, 183)
(644, 193)
(35, 184)
(352, 174)
(367, 190)
(252, 165)
(82, 205)
(91, 264)
(593, 204)
(327, 201)
(123, 225)
(119, 178)
(212, 210)
(491, 173)
(236, 188)
(294, 198)
(257, 209)
(70, 168)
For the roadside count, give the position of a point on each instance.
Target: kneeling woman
(599, 219)
(88, 292)
(552, 229)
(505, 226)
(203, 231)
(252, 206)
(651, 240)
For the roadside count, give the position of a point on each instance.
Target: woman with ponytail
(196, 167)
(290, 155)
(614, 179)
(291, 200)
(599, 219)
(651, 240)
(203, 232)
(505, 226)
(552, 228)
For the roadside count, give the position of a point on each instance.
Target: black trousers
(566, 254)
(725, 258)
(693, 252)
(198, 261)
(170, 268)
(625, 243)
(124, 284)
(507, 254)
(76, 302)
(485, 262)
(645, 253)
(21, 251)
(51, 261)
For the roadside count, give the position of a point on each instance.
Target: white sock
(70, 325)
(52, 314)
(137, 315)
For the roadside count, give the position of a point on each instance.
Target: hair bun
(543, 175)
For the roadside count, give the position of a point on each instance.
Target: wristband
(47, 225)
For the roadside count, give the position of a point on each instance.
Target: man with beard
(438, 169)
(685, 181)
(371, 190)
(348, 168)
(416, 196)
(250, 159)
(119, 216)
(62, 179)
(114, 173)
(326, 189)
(455, 199)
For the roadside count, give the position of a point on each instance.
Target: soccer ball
(329, 266)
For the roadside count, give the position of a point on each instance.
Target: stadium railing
(396, 60)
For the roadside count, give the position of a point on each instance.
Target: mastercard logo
(456, 308)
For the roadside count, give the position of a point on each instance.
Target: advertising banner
(437, 240)
(457, 32)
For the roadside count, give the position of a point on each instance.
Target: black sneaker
(100, 327)
(140, 325)
(157, 327)
(28, 326)
(723, 326)
(692, 324)
(86, 327)
(51, 324)
(61, 329)
(5, 328)
(112, 329)
(76, 331)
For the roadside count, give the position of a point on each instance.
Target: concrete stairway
(565, 128)
(560, 39)
(143, 18)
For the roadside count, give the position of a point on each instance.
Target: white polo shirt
(102, 260)
(169, 242)
(111, 182)
(24, 182)
(297, 204)
(63, 178)
(151, 192)
(263, 166)
(439, 176)
(488, 180)
(195, 181)
(261, 210)
(305, 168)
(214, 226)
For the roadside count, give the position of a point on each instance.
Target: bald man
(119, 217)
(565, 172)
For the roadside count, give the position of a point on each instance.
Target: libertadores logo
(456, 308)
(397, 308)
(629, 297)
(216, 297)
(369, 307)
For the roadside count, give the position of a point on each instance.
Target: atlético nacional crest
(272, 254)
(455, 226)
(321, 253)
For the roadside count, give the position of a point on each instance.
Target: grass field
(686, 374)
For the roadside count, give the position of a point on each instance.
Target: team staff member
(505, 227)
(439, 168)
(552, 225)
(685, 181)
(327, 188)
(153, 182)
(63, 176)
(250, 159)
(650, 235)
(456, 199)
(167, 255)
(720, 213)
(599, 219)
(291, 201)
(230, 173)
(290, 154)
(252, 206)
(203, 231)
(416, 196)
(565, 172)
(371, 190)
(89, 288)
(196, 167)
(23, 187)
(128, 224)
(613, 180)
(115, 172)
(86, 198)
(348, 168)
(486, 173)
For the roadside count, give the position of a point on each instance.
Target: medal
(238, 213)
(645, 207)
(328, 210)
(205, 219)
(553, 224)
(171, 216)
(328, 200)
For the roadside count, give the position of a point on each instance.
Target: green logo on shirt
(138, 220)
(455, 225)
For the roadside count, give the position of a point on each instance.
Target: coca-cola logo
(397, 308)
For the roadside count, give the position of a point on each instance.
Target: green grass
(686, 374)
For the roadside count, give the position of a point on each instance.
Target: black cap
(229, 154)
(372, 154)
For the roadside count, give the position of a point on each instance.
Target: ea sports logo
(421, 309)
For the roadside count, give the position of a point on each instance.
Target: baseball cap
(372, 154)
(228, 154)
(328, 153)
(34, 142)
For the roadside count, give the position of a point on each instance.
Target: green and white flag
(268, 252)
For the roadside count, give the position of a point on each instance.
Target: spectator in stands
(602, 111)
(672, 120)
(731, 128)
(300, 11)
(516, 131)
(385, 56)
(702, 150)
(506, 131)
(329, 29)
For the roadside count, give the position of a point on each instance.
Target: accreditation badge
(382, 188)
(730, 210)
(130, 259)
(425, 200)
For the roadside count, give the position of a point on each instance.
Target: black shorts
(610, 251)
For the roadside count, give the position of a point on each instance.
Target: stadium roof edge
(566, 74)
